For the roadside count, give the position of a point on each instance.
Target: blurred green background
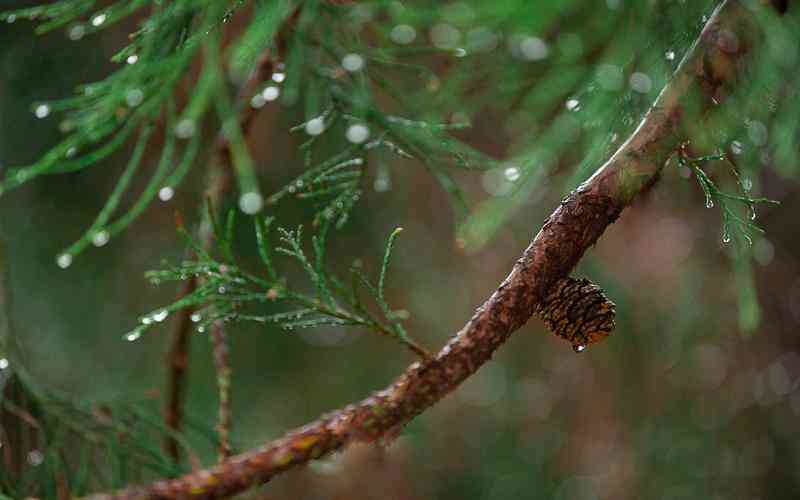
(680, 402)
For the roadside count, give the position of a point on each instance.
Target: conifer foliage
(377, 85)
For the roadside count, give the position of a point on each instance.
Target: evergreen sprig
(104, 115)
(738, 210)
(131, 103)
(109, 443)
(227, 292)
(339, 75)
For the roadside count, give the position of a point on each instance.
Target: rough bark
(703, 79)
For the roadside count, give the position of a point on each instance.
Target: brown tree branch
(705, 76)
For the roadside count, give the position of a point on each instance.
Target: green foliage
(105, 115)
(738, 210)
(355, 85)
(227, 292)
(555, 87)
(78, 446)
(738, 226)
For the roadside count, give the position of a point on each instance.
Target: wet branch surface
(709, 71)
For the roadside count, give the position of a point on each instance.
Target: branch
(223, 369)
(177, 364)
(219, 183)
(703, 78)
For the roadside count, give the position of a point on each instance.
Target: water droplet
(222, 290)
(315, 126)
(512, 173)
(403, 34)
(460, 52)
(752, 212)
(757, 132)
(357, 133)
(726, 237)
(134, 97)
(185, 128)
(579, 348)
(533, 48)
(270, 93)
(353, 62)
(737, 147)
(100, 238)
(445, 36)
(496, 183)
(383, 182)
(573, 105)
(98, 20)
(35, 458)
(3, 363)
(670, 55)
(160, 315)
(133, 336)
(278, 77)
(132, 59)
(201, 329)
(42, 111)
(709, 202)
(610, 77)
(251, 203)
(640, 82)
(196, 318)
(64, 260)
(11, 18)
(747, 184)
(257, 101)
(76, 32)
(166, 193)
(146, 320)
(71, 152)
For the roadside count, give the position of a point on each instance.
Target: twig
(177, 362)
(223, 368)
(574, 227)
(219, 183)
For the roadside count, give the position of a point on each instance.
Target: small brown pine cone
(578, 311)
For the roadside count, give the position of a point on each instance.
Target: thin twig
(177, 362)
(574, 227)
(219, 183)
(223, 368)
